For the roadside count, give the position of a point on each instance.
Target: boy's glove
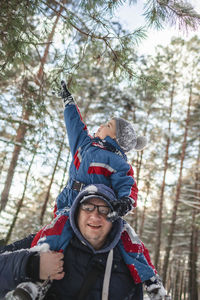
(65, 94)
(155, 289)
(120, 208)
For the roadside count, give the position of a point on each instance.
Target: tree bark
(17, 148)
(178, 190)
(193, 255)
(177, 282)
(51, 182)
(144, 211)
(20, 203)
(138, 169)
(21, 131)
(160, 212)
(3, 162)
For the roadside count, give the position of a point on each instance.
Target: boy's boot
(29, 291)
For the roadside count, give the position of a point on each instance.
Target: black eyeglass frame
(94, 206)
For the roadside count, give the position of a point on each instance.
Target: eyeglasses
(90, 207)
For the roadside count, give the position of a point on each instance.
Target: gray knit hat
(126, 136)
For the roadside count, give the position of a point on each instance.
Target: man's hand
(51, 265)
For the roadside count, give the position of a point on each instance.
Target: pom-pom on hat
(126, 136)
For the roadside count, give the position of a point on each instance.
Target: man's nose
(95, 213)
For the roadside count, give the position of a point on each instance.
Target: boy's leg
(141, 267)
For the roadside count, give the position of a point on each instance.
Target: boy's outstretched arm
(76, 128)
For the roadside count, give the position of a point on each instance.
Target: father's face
(94, 226)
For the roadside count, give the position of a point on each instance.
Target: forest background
(44, 41)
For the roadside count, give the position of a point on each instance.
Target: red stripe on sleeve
(129, 246)
(76, 160)
(146, 254)
(134, 189)
(54, 228)
(134, 273)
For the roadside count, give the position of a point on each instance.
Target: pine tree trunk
(178, 190)
(51, 182)
(17, 148)
(140, 154)
(193, 255)
(144, 212)
(182, 282)
(160, 212)
(20, 203)
(185, 290)
(168, 285)
(21, 131)
(177, 286)
(3, 162)
(138, 169)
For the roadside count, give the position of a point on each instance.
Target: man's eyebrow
(98, 204)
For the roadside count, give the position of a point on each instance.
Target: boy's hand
(155, 289)
(157, 293)
(120, 208)
(64, 91)
(65, 94)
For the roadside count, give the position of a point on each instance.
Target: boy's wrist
(68, 100)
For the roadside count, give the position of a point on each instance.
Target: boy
(100, 159)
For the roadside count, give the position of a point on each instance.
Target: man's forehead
(96, 200)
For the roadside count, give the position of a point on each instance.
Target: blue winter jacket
(13, 263)
(94, 161)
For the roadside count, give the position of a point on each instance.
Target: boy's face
(108, 129)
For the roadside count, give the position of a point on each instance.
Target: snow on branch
(16, 120)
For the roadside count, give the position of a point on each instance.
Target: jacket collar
(111, 145)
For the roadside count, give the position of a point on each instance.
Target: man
(92, 266)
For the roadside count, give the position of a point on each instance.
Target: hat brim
(96, 196)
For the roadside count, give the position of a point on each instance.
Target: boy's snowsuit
(94, 161)
(97, 161)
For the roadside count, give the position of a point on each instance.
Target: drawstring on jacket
(106, 281)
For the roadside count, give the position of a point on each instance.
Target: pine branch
(159, 12)
(110, 38)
